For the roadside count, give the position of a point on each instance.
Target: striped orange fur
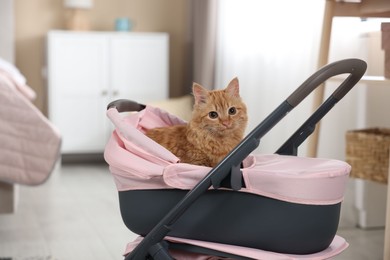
(218, 123)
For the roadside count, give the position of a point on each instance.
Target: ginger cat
(218, 123)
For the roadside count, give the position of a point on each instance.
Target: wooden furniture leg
(8, 197)
(386, 254)
(322, 61)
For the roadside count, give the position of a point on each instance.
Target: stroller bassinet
(277, 206)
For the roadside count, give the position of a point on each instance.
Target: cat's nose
(226, 123)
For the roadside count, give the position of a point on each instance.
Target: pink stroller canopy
(139, 163)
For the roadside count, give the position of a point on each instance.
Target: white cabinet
(87, 70)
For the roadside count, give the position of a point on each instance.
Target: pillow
(13, 71)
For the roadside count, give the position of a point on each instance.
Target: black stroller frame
(227, 173)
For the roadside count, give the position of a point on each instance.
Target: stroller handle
(354, 67)
(125, 105)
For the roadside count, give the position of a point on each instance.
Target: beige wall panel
(34, 18)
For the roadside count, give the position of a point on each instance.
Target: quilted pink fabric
(29, 143)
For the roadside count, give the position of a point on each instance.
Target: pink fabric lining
(138, 162)
(131, 129)
(336, 247)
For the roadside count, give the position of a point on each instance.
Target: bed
(30, 144)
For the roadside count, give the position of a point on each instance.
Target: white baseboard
(370, 202)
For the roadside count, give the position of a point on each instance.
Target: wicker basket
(368, 153)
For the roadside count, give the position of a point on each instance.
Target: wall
(6, 29)
(363, 107)
(34, 18)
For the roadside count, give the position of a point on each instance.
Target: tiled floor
(75, 216)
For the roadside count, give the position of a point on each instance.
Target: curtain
(7, 30)
(272, 47)
(204, 27)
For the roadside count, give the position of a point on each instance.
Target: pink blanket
(29, 143)
(336, 247)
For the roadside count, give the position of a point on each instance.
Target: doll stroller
(275, 206)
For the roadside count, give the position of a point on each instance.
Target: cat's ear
(233, 89)
(200, 93)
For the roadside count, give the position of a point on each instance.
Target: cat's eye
(232, 111)
(213, 114)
